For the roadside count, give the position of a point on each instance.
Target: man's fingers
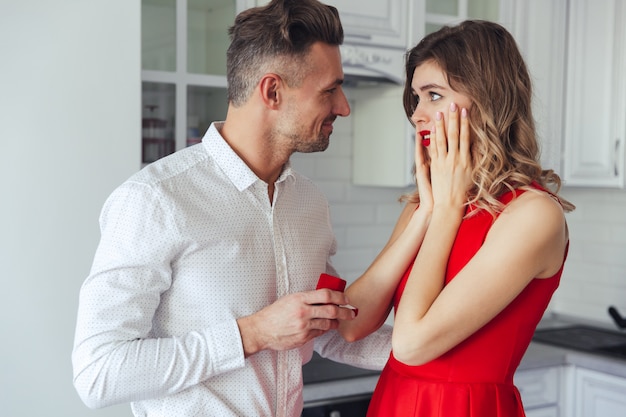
(325, 296)
(333, 312)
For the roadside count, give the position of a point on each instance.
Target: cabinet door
(599, 394)
(539, 388)
(540, 29)
(595, 121)
(543, 412)
(184, 46)
(449, 12)
(380, 23)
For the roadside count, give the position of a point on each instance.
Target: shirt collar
(231, 164)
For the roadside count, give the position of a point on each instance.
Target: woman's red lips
(425, 134)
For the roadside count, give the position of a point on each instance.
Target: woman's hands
(443, 169)
(444, 176)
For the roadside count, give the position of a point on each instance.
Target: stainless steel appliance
(320, 370)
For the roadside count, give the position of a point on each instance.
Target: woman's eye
(434, 96)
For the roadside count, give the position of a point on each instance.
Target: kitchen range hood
(372, 65)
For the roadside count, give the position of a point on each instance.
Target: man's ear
(269, 87)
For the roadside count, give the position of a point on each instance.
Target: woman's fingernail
(463, 112)
(453, 107)
(438, 115)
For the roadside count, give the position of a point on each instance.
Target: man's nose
(342, 107)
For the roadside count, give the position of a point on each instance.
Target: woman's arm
(450, 178)
(527, 241)
(373, 291)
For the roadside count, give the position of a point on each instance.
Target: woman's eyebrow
(431, 86)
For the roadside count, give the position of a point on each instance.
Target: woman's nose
(419, 116)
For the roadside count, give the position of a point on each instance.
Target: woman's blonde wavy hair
(482, 61)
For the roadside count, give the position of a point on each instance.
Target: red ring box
(335, 284)
(331, 282)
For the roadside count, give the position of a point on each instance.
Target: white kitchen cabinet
(543, 412)
(540, 29)
(595, 118)
(381, 23)
(449, 12)
(576, 53)
(598, 394)
(540, 390)
(183, 73)
(376, 36)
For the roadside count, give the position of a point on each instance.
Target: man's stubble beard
(320, 145)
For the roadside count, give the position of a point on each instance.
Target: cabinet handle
(615, 158)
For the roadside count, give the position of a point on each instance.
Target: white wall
(363, 217)
(69, 129)
(595, 273)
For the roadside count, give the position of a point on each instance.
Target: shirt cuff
(225, 346)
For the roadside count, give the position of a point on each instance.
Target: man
(200, 300)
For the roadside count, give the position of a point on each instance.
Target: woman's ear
(269, 87)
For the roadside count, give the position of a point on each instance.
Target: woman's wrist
(421, 216)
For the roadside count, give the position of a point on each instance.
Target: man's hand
(293, 320)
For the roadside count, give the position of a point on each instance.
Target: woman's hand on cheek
(422, 173)
(450, 160)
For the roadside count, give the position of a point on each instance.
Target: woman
(479, 248)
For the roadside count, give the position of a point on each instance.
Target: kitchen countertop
(541, 355)
(597, 362)
(538, 355)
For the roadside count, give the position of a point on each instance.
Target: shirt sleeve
(116, 358)
(370, 352)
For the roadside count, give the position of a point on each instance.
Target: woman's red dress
(475, 378)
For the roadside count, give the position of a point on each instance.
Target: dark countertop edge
(547, 353)
(340, 388)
